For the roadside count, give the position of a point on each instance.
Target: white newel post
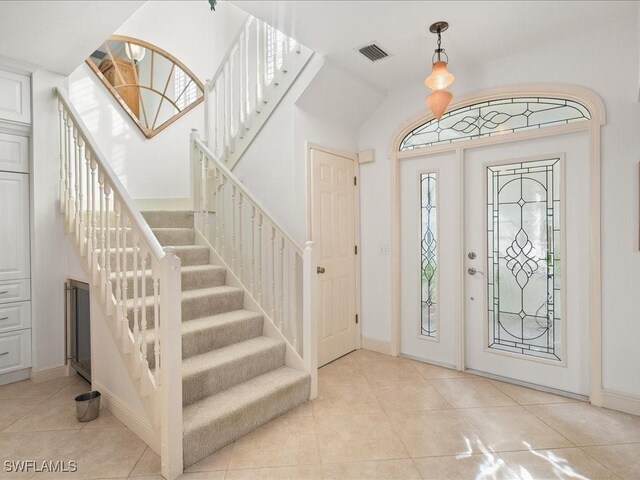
(309, 309)
(171, 365)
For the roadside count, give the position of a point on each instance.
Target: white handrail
(137, 281)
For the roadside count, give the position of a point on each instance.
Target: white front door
(527, 234)
(333, 232)
(494, 260)
(430, 253)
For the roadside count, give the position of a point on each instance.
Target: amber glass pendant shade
(438, 102)
(440, 78)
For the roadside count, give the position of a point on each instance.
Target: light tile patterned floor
(376, 417)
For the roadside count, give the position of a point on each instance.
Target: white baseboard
(376, 345)
(132, 420)
(50, 374)
(171, 204)
(623, 402)
(15, 376)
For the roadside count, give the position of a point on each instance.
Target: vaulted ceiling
(58, 35)
(478, 31)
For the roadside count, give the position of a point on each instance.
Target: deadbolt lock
(320, 270)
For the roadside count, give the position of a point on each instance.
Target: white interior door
(527, 230)
(430, 253)
(333, 232)
(14, 215)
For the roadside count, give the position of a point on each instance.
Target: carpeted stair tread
(193, 277)
(174, 236)
(209, 373)
(168, 219)
(218, 420)
(205, 334)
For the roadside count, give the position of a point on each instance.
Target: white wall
(53, 257)
(324, 106)
(199, 38)
(605, 61)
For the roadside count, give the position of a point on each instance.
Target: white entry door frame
(582, 95)
(314, 234)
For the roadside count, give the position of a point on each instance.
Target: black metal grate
(373, 52)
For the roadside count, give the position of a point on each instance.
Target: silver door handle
(320, 270)
(4, 353)
(4, 291)
(473, 271)
(4, 318)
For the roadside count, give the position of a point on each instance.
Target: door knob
(320, 270)
(473, 271)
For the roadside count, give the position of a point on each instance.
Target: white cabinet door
(14, 226)
(15, 350)
(15, 97)
(14, 153)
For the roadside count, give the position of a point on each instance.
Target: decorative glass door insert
(429, 255)
(523, 250)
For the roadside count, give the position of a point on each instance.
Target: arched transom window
(495, 117)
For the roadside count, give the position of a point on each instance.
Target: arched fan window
(152, 86)
(495, 117)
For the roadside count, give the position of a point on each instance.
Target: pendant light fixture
(440, 98)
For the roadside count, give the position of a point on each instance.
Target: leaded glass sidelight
(495, 117)
(523, 240)
(429, 255)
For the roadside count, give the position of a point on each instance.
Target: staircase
(234, 378)
(212, 312)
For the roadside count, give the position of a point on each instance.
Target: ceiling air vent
(373, 52)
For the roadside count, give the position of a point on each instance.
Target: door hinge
(356, 318)
(355, 180)
(355, 248)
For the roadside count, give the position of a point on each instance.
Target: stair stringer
(292, 358)
(126, 346)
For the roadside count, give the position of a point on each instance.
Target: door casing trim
(596, 108)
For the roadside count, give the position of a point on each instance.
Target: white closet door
(14, 218)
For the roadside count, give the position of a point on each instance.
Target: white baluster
(67, 157)
(203, 212)
(253, 250)
(136, 298)
(284, 41)
(260, 73)
(281, 299)
(125, 279)
(207, 106)
(233, 227)
(108, 285)
(205, 187)
(273, 274)
(78, 186)
(294, 299)
(216, 189)
(225, 111)
(118, 252)
(240, 237)
(63, 190)
(260, 256)
(81, 229)
(241, 75)
(223, 232)
(143, 302)
(215, 119)
(87, 217)
(156, 320)
(71, 213)
(246, 105)
(93, 220)
(101, 278)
